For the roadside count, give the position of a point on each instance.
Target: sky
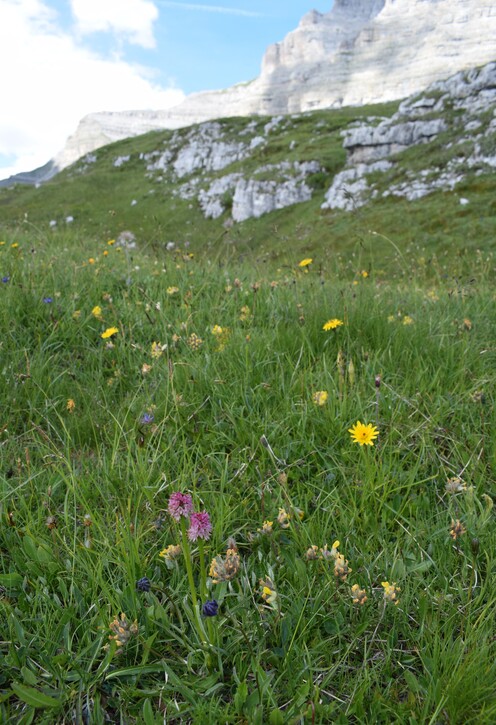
(62, 59)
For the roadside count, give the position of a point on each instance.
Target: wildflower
(320, 397)
(283, 519)
(341, 568)
(364, 273)
(478, 397)
(363, 434)
(5, 279)
(245, 315)
(455, 485)
(47, 300)
(391, 592)
(105, 252)
(312, 553)
(51, 522)
(97, 312)
(255, 286)
(407, 320)
(145, 369)
(70, 405)
(359, 595)
(87, 520)
(156, 350)
(391, 318)
(14, 245)
(170, 552)
(266, 527)
(172, 290)
(457, 530)
(224, 569)
(147, 418)
(143, 584)
(305, 262)
(467, 324)
(200, 526)
(268, 590)
(194, 342)
(91, 260)
(123, 631)
(332, 553)
(111, 242)
(332, 324)
(210, 608)
(76, 314)
(109, 332)
(180, 504)
(217, 330)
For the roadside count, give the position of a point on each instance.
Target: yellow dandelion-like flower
(364, 273)
(97, 312)
(320, 397)
(76, 314)
(305, 262)
(332, 324)
(407, 320)
(364, 434)
(91, 260)
(111, 242)
(71, 405)
(14, 245)
(217, 330)
(109, 332)
(172, 291)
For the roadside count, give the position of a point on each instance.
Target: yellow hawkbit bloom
(305, 262)
(457, 530)
(332, 324)
(283, 519)
(194, 342)
(122, 630)
(363, 434)
(76, 314)
(217, 330)
(266, 527)
(70, 405)
(268, 591)
(455, 485)
(109, 332)
(170, 552)
(111, 242)
(320, 397)
(97, 312)
(364, 273)
(156, 350)
(224, 569)
(359, 596)
(341, 568)
(172, 290)
(407, 320)
(91, 260)
(391, 592)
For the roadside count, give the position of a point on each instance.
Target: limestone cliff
(362, 51)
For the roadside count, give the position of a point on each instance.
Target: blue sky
(80, 56)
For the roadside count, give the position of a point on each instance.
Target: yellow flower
(14, 245)
(91, 260)
(283, 519)
(341, 568)
(111, 242)
(266, 527)
(172, 290)
(157, 349)
(70, 405)
(268, 591)
(320, 397)
(76, 314)
(170, 553)
(305, 262)
(390, 592)
(332, 324)
(364, 273)
(105, 252)
(109, 332)
(217, 330)
(97, 312)
(363, 434)
(359, 595)
(407, 320)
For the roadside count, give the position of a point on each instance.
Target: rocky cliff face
(362, 51)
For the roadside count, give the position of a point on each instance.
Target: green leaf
(28, 676)
(276, 718)
(34, 697)
(148, 716)
(240, 697)
(11, 581)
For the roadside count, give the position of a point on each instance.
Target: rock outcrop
(464, 102)
(362, 51)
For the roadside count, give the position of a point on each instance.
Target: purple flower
(47, 300)
(210, 608)
(143, 584)
(180, 504)
(147, 418)
(5, 279)
(199, 526)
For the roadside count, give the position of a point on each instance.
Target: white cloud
(49, 82)
(209, 8)
(132, 19)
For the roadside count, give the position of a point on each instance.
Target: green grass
(84, 493)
